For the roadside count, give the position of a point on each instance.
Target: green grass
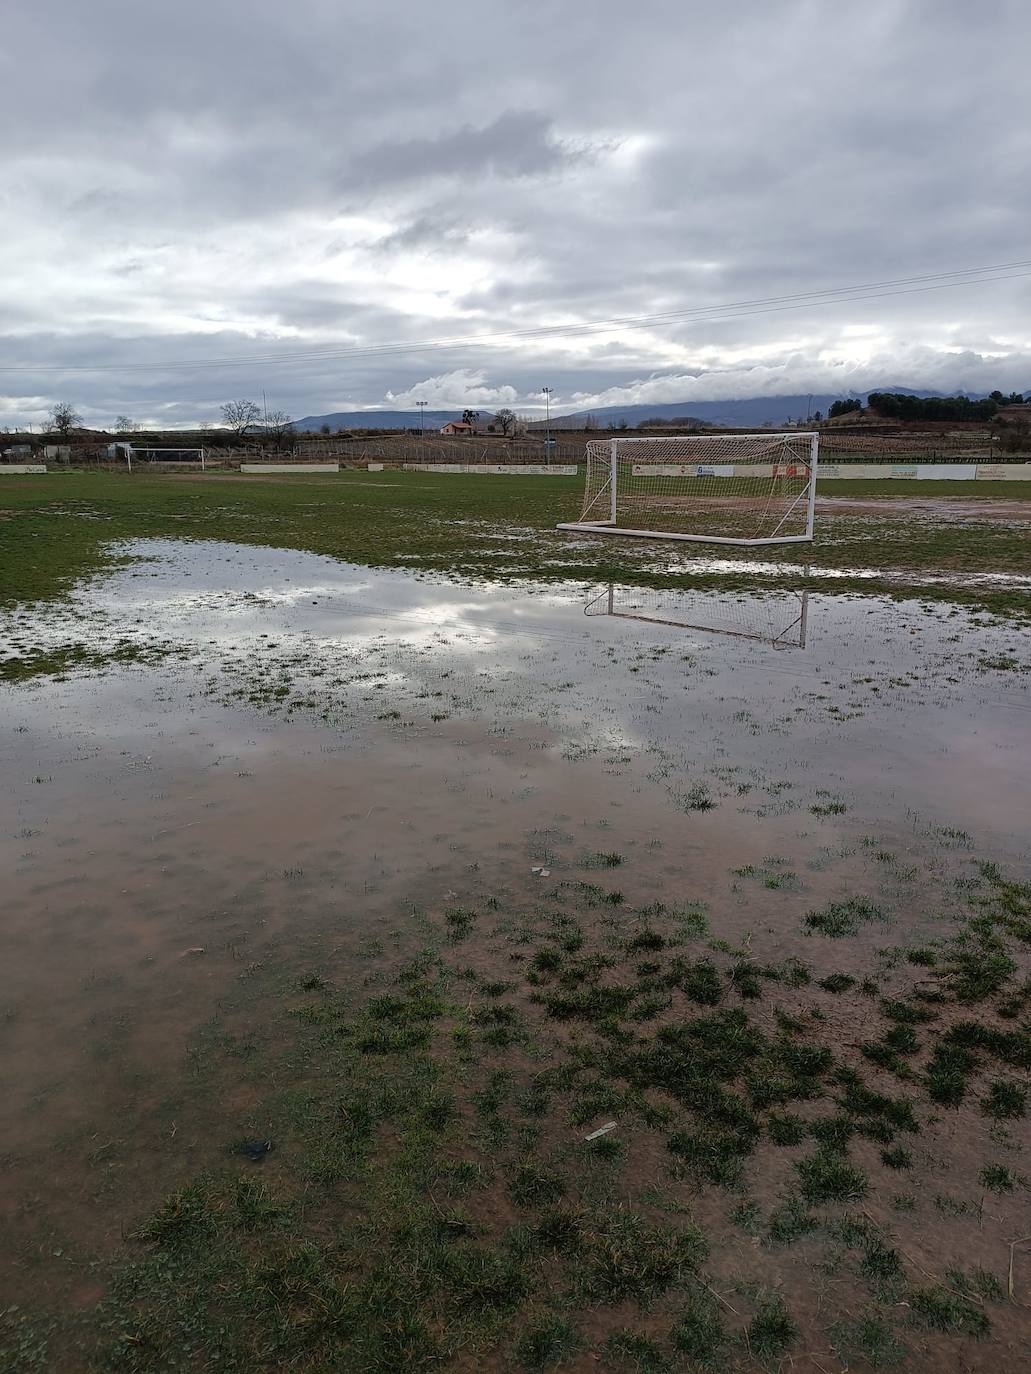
(547, 1342)
(790, 1221)
(698, 1333)
(997, 1178)
(63, 523)
(868, 1338)
(842, 918)
(827, 1177)
(1005, 1101)
(629, 1258)
(771, 1331)
(943, 1309)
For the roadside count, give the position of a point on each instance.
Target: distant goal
(712, 488)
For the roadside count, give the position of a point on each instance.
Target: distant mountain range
(378, 419)
(748, 411)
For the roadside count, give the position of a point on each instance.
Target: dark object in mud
(254, 1150)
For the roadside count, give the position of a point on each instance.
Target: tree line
(897, 405)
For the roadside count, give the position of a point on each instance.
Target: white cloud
(209, 188)
(460, 388)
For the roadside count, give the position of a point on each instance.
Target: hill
(378, 419)
(748, 412)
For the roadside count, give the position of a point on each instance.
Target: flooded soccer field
(407, 973)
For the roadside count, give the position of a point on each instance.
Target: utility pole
(547, 424)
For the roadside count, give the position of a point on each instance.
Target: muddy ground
(284, 837)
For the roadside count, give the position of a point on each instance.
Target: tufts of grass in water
(842, 918)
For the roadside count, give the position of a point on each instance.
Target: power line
(710, 314)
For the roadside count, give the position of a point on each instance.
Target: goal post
(710, 488)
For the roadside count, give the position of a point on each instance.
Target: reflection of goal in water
(714, 488)
(776, 618)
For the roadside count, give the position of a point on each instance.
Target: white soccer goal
(712, 488)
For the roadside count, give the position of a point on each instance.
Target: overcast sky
(259, 180)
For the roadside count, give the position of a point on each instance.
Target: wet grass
(61, 526)
(840, 919)
(432, 1197)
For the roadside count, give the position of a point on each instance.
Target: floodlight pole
(422, 417)
(547, 423)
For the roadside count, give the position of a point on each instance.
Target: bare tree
(125, 425)
(63, 418)
(279, 427)
(239, 415)
(506, 419)
(469, 417)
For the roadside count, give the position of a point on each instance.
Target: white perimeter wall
(289, 467)
(516, 469)
(22, 467)
(919, 472)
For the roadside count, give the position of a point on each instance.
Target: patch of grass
(860, 1101)
(256, 1207)
(827, 1177)
(747, 1215)
(978, 1283)
(629, 1258)
(686, 1059)
(977, 965)
(459, 923)
(771, 1331)
(897, 1158)
(699, 1332)
(997, 1178)
(842, 918)
(713, 1155)
(784, 1128)
(484, 1278)
(947, 1073)
(546, 1343)
(645, 939)
(699, 980)
(559, 1228)
(790, 1221)
(880, 1263)
(185, 1216)
(632, 1351)
(601, 859)
(593, 1003)
(942, 1309)
(869, 1339)
(837, 982)
(1005, 1101)
(922, 957)
(698, 798)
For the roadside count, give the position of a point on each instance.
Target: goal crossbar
(742, 489)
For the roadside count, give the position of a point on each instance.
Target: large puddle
(314, 754)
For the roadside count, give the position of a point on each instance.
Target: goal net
(779, 618)
(716, 488)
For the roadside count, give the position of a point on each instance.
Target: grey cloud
(310, 174)
(426, 233)
(516, 144)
